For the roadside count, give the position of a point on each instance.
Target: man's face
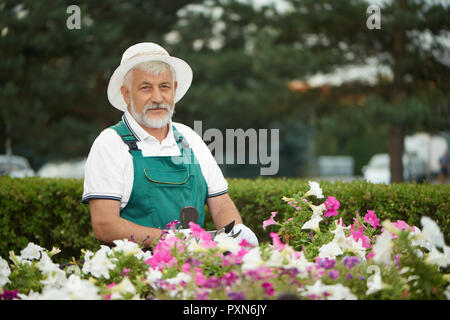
(151, 98)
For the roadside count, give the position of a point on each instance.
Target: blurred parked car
(377, 171)
(63, 169)
(378, 168)
(15, 166)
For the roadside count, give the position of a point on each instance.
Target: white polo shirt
(109, 167)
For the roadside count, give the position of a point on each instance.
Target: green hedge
(49, 212)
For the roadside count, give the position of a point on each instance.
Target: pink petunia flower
(245, 243)
(331, 205)
(199, 277)
(270, 221)
(172, 224)
(276, 242)
(370, 255)
(402, 226)
(372, 219)
(198, 232)
(356, 234)
(268, 288)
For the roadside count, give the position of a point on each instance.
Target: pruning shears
(188, 214)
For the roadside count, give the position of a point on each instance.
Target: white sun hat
(142, 52)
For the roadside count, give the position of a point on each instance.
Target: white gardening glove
(246, 234)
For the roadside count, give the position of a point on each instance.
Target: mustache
(156, 106)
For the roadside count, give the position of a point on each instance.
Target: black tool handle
(188, 214)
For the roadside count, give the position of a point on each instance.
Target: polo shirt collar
(140, 134)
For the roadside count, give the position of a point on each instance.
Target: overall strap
(128, 138)
(180, 139)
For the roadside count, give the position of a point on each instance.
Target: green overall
(163, 185)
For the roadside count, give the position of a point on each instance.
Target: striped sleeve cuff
(212, 195)
(85, 200)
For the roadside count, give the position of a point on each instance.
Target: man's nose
(157, 96)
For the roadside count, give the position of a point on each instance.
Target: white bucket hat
(141, 52)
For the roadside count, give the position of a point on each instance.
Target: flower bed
(312, 256)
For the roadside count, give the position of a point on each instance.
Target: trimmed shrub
(49, 212)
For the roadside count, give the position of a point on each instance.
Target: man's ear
(125, 94)
(175, 85)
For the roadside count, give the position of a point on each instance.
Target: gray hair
(152, 67)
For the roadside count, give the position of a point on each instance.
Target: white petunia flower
(181, 276)
(374, 282)
(99, 264)
(30, 296)
(432, 232)
(330, 250)
(122, 288)
(340, 292)
(31, 252)
(314, 190)
(252, 260)
(383, 248)
(340, 238)
(313, 223)
(357, 248)
(5, 271)
(301, 264)
(330, 292)
(54, 276)
(418, 239)
(144, 255)
(317, 210)
(442, 259)
(80, 289)
(317, 289)
(152, 276)
(447, 292)
(126, 246)
(51, 293)
(276, 259)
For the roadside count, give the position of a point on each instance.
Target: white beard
(145, 120)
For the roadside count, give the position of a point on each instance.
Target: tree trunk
(396, 134)
(396, 140)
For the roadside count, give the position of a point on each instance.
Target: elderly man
(141, 172)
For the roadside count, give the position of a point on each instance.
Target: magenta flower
(199, 277)
(333, 274)
(198, 232)
(9, 295)
(400, 225)
(236, 296)
(356, 234)
(331, 205)
(277, 244)
(268, 288)
(186, 267)
(350, 261)
(270, 221)
(111, 285)
(230, 277)
(245, 243)
(372, 219)
(172, 224)
(325, 263)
